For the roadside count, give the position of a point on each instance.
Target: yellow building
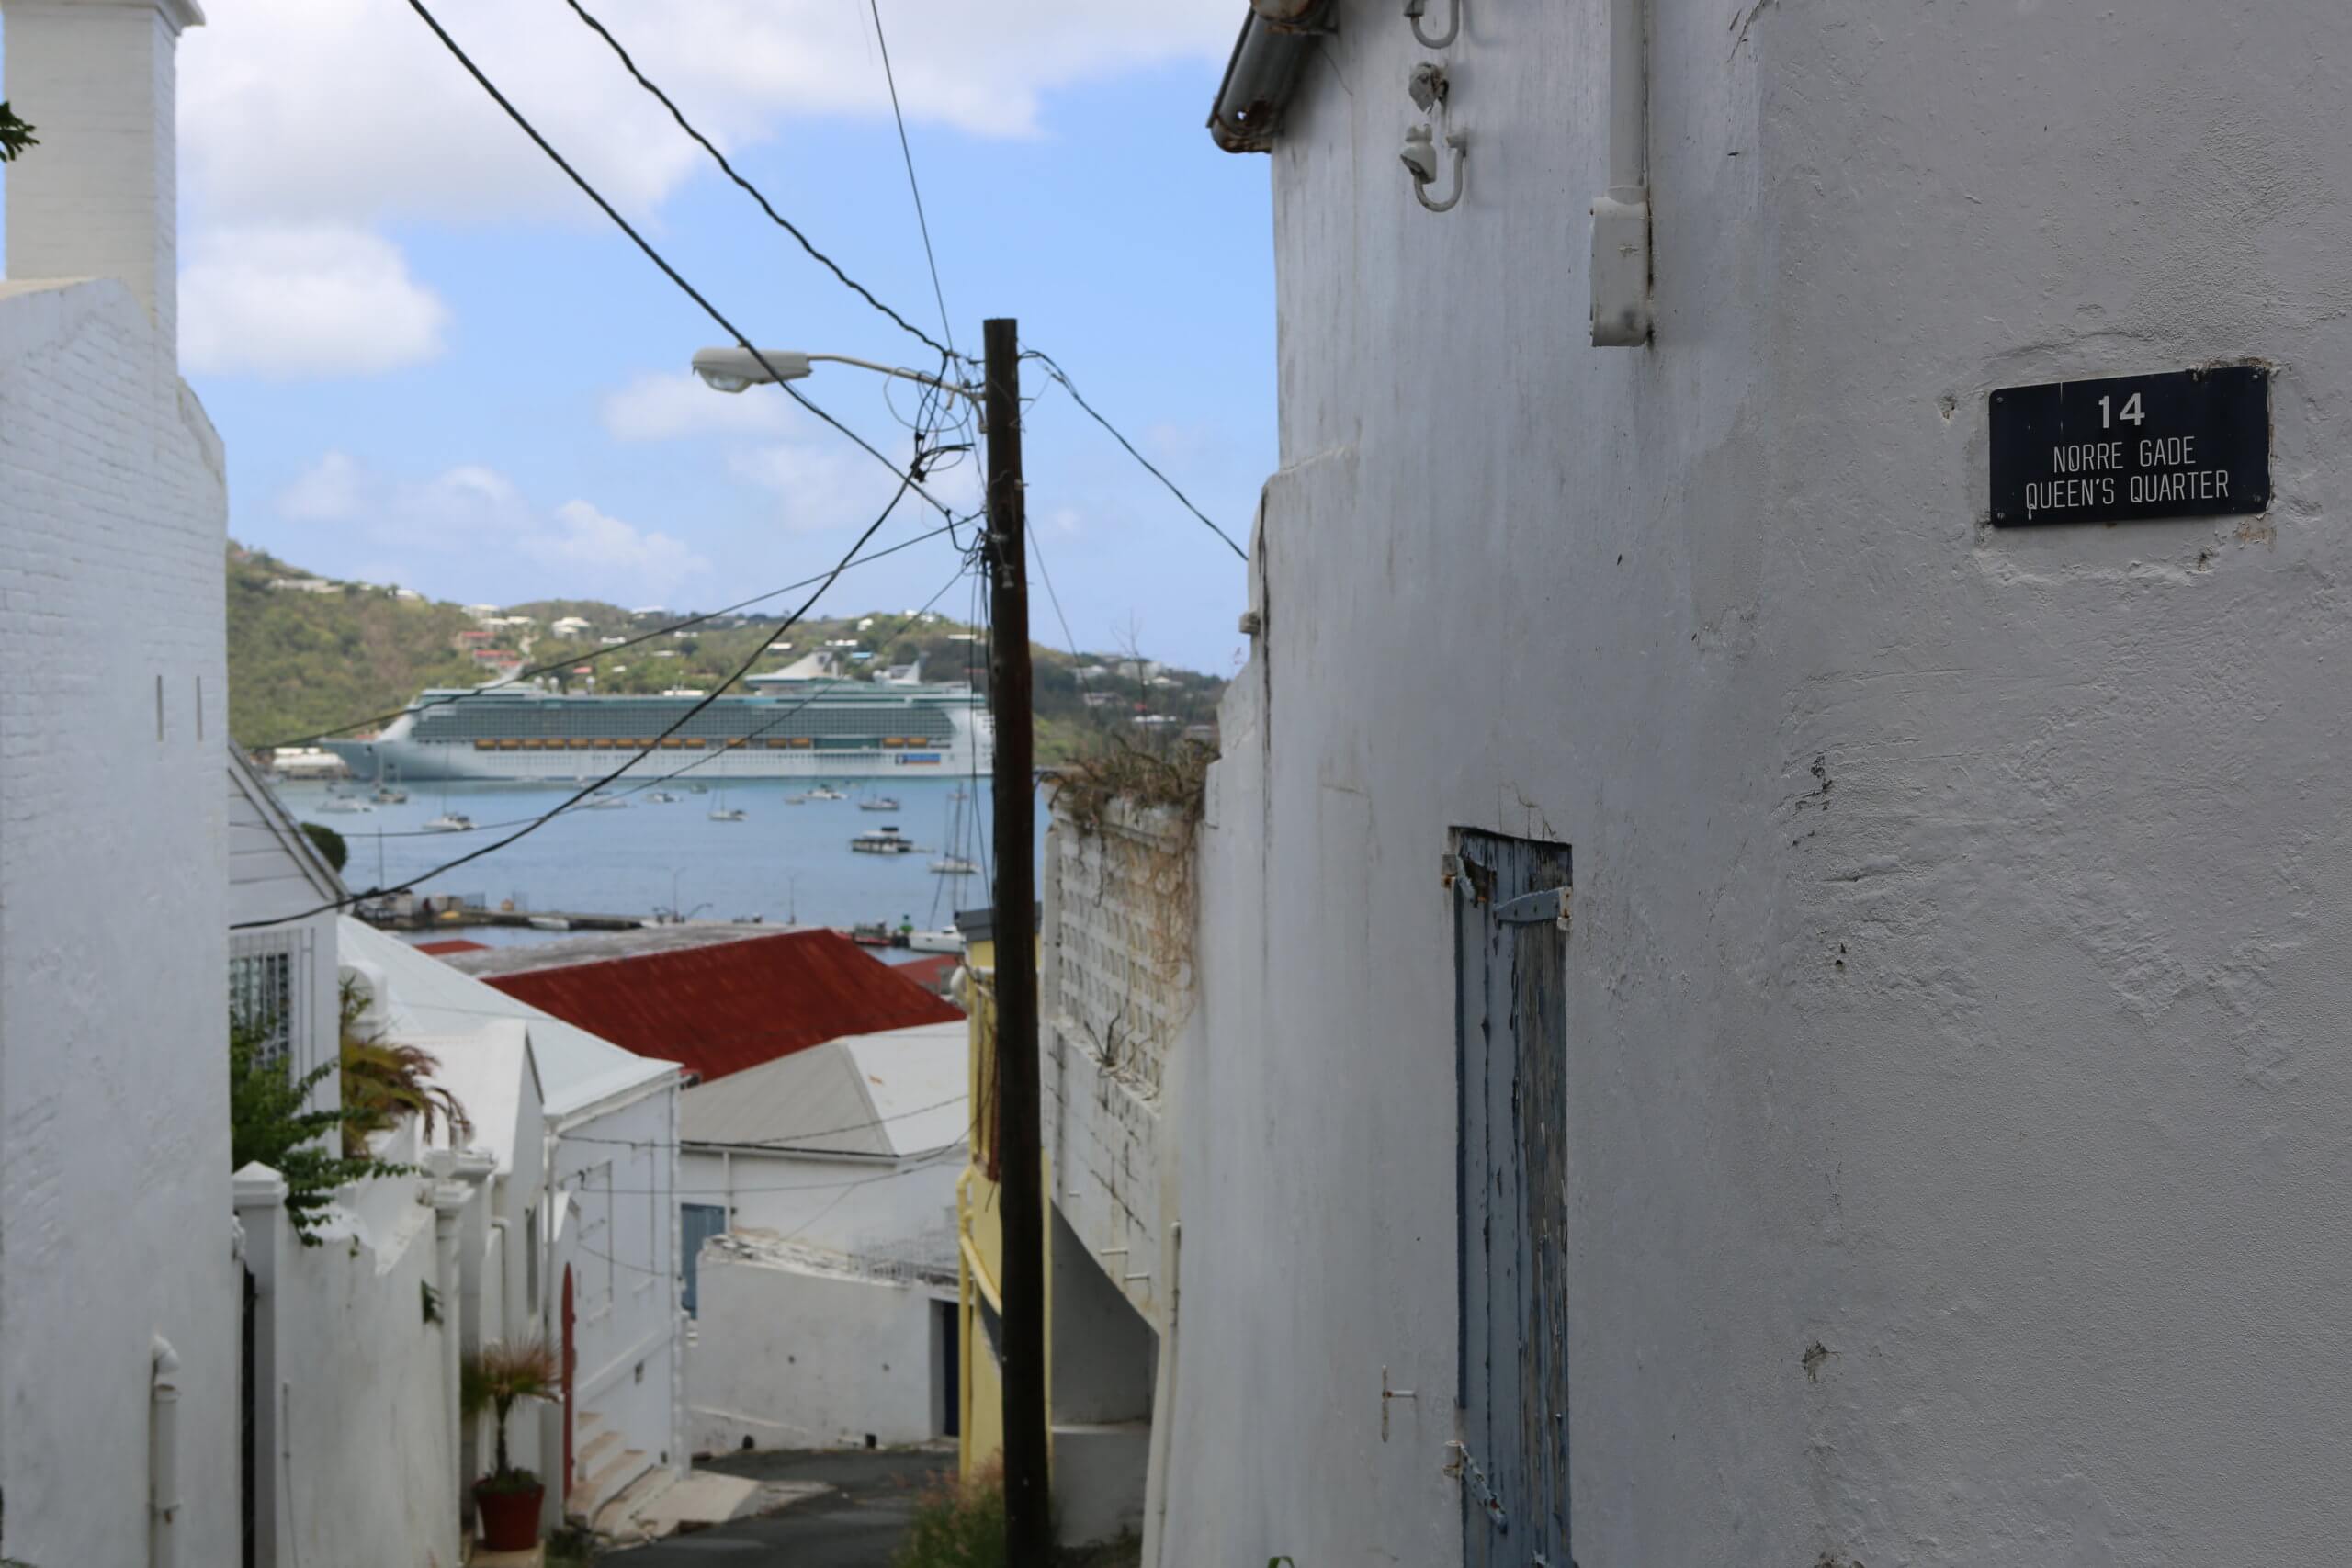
(980, 1218)
(1101, 1354)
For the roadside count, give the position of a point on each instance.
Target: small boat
(824, 792)
(875, 934)
(698, 789)
(387, 795)
(795, 800)
(879, 802)
(549, 923)
(729, 814)
(450, 822)
(955, 865)
(604, 803)
(935, 942)
(660, 798)
(343, 804)
(886, 841)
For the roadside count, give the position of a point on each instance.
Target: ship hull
(416, 761)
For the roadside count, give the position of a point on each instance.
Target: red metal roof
(452, 944)
(931, 973)
(720, 1009)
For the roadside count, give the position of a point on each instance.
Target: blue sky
(434, 363)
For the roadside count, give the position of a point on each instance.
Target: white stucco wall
(813, 1200)
(114, 1136)
(369, 1462)
(618, 1163)
(794, 1358)
(1954, 979)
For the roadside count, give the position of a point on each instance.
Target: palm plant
(383, 1082)
(494, 1378)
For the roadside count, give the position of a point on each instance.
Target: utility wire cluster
(936, 416)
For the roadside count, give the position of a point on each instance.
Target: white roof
(576, 1068)
(485, 1069)
(901, 1093)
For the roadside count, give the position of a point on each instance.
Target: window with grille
(262, 997)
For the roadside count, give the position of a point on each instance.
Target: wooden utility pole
(1028, 1512)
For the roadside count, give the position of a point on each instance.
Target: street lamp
(739, 369)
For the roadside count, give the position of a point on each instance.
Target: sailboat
(722, 812)
(449, 822)
(953, 862)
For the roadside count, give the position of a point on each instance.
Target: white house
(825, 1298)
(117, 1297)
(567, 626)
(282, 974)
(1916, 1138)
(605, 1203)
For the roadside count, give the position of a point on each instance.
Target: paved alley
(858, 1524)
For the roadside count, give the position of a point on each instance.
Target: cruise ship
(803, 722)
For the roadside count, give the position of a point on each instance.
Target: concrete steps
(601, 1467)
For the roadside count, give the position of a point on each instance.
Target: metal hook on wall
(1415, 10)
(1430, 88)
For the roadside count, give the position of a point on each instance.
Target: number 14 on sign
(2131, 413)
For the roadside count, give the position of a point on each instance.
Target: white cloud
(656, 407)
(585, 536)
(327, 491)
(334, 109)
(319, 299)
(477, 517)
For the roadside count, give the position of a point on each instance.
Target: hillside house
(820, 1143)
(602, 1195)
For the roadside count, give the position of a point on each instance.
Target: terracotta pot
(509, 1520)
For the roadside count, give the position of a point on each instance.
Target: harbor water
(782, 863)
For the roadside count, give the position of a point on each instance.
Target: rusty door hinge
(1532, 908)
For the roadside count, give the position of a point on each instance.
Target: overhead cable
(1054, 369)
(751, 190)
(656, 257)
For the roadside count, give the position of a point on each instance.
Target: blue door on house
(698, 1224)
(1511, 907)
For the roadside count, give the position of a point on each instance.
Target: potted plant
(494, 1377)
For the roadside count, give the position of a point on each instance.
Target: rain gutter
(1263, 72)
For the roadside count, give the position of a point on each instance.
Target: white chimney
(99, 196)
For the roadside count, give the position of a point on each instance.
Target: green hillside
(301, 662)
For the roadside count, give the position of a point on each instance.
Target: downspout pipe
(1620, 218)
(162, 1454)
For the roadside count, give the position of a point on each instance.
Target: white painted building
(118, 1278)
(283, 974)
(819, 1194)
(1944, 1059)
(607, 1206)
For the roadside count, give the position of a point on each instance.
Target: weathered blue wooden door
(1510, 911)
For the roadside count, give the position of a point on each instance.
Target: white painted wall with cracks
(1957, 983)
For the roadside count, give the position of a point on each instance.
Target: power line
(604, 652)
(908, 151)
(672, 273)
(586, 790)
(1058, 374)
(786, 1142)
(753, 191)
(1038, 550)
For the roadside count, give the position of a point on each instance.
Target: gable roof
(425, 996)
(894, 1095)
(269, 812)
(720, 1009)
